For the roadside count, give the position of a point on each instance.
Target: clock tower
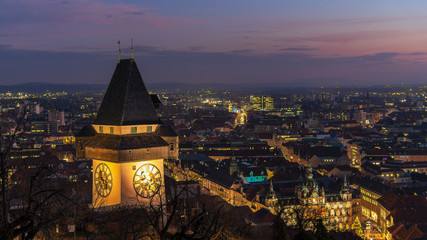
(127, 149)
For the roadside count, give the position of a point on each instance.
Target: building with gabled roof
(402, 217)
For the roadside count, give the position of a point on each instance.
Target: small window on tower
(171, 146)
(149, 129)
(111, 130)
(101, 129)
(133, 130)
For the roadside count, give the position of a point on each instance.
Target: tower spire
(233, 165)
(345, 180)
(309, 171)
(126, 101)
(120, 51)
(271, 185)
(131, 47)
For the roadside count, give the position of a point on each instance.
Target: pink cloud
(35, 23)
(324, 24)
(340, 36)
(360, 42)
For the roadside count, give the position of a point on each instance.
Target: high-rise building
(33, 108)
(262, 103)
(127, 148)
(58, 116)
(360, 117)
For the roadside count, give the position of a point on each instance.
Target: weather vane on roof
(131, 47)
(120, 51)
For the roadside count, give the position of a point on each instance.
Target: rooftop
(127, 101)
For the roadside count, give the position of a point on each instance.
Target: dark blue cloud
(133, 13)
(238, 67)
(298, 49)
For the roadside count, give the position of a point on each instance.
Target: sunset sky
(242, 41)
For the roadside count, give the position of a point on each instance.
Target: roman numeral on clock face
(147, 180)
(103, 179)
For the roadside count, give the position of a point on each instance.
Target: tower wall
(128, 193)
(114, 197)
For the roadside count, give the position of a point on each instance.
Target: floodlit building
(262, 103)
(128, 144)
(311, 201)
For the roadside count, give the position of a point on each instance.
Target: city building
(262, 103)
(44, 128)
(54, 115)
(127, 151)
(311, 202)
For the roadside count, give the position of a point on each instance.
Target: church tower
(127, 150)
(345, 190)
(271, 200)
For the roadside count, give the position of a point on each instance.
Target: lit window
(111, 130)
(133, 130)
(149, 129)
(101, 129)
(374, 216)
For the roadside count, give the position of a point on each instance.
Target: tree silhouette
(185, 214)
(33, 195)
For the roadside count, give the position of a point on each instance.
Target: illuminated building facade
(369, 204)
(262, 103)
(311, 201)
(241, 118)
(353, 153)
(371, 209)
(127, 146)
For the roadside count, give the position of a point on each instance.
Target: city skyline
(306, 43)
(349, 163)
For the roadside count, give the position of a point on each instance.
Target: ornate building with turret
(311, 202)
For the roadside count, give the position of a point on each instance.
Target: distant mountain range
(41, 87)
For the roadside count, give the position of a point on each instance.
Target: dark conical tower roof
(127, 101)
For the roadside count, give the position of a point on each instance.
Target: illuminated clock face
(147, 180)
(103, 180)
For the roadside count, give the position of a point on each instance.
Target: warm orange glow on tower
(128, 148)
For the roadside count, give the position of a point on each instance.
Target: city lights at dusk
(213, 120)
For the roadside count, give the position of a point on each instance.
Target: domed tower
(309, 189)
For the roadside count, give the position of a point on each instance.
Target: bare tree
(33, 197)
(304, 220)
(181, 213)
(119, 222)
(37, 201)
